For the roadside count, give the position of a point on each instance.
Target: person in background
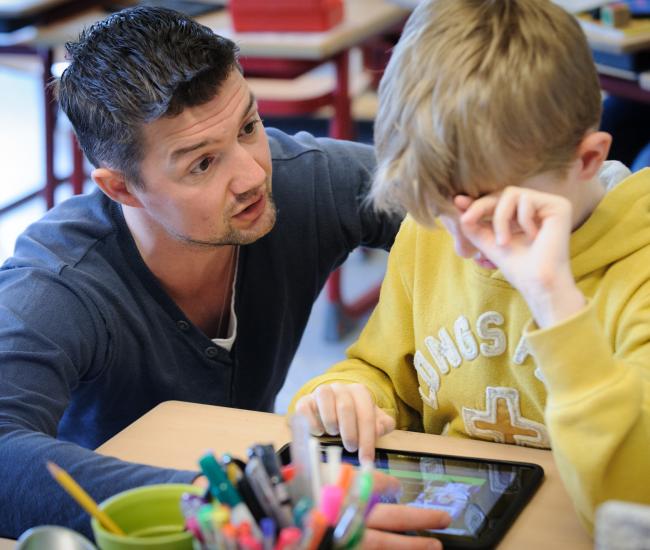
(188, 275)
(516, 304)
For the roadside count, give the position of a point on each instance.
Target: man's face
(207, 171)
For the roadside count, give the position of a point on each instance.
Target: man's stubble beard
(233, 236)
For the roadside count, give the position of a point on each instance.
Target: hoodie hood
(620, 224)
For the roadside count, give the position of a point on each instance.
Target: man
(183, 277)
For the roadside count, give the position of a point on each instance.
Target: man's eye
(249, 129)
(203, 165)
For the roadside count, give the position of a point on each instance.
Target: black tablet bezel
(530, 476)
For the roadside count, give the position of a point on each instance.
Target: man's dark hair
(136, 66)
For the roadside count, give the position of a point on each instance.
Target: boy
(487, 126)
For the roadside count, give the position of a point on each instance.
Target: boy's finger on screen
(366, 411)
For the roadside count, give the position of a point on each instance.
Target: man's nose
(247, 172)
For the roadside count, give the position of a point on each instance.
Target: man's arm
(49, 346)
(351, 171)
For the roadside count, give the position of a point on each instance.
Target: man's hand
(526, 233)
(385, 518)
(348, 410)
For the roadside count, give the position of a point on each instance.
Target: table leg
(341, 124)
(49, 111)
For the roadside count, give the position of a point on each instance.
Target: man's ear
(114, 185)
(592, 152)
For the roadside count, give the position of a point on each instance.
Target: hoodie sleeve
(598, 406)
(381, 358)
(47, 343)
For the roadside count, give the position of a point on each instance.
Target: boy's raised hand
(526, 233)
(348, 410)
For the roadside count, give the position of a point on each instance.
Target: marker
(268, 533)
(192, 525)
(288, 472)
(313, 467)
(300, 486)
(190, 504)
(331, 499)
(248, 542)
(362, 490)
(223, 491)
(266, 453)
(211, 536)
(232, 469)
(260, 483)
(300, 511)
(248, 496)
(288, 539)
(350, 528)
(229, 532)
(316, 528)
(333, 454)
(220, 516)
(346, 473)
(374, 500)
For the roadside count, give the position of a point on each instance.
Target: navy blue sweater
(89, 341)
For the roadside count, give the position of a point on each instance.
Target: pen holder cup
(150, 516)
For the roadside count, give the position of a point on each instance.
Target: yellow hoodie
(451, 349)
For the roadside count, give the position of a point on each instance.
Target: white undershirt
(227, 342)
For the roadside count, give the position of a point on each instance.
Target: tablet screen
(482, 496)
(467, 490)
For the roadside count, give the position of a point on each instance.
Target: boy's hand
(526, 234)
(348, 410)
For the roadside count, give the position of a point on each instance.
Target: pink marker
(331, 500)
(192, 525)
(288, 539)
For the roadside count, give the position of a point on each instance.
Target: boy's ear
(592, 152)
(114, 185)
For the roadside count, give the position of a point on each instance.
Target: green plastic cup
(150, 516)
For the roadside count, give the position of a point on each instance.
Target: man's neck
(183, 269)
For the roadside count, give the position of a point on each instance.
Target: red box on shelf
(285, 15)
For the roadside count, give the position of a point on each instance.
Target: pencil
(84, 500)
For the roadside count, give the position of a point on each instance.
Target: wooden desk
(362, 20)
(175, 434)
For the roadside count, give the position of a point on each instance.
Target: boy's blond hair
(478, 95)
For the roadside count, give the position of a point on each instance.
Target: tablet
(482, 496)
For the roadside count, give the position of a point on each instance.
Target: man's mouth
(253, 209)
